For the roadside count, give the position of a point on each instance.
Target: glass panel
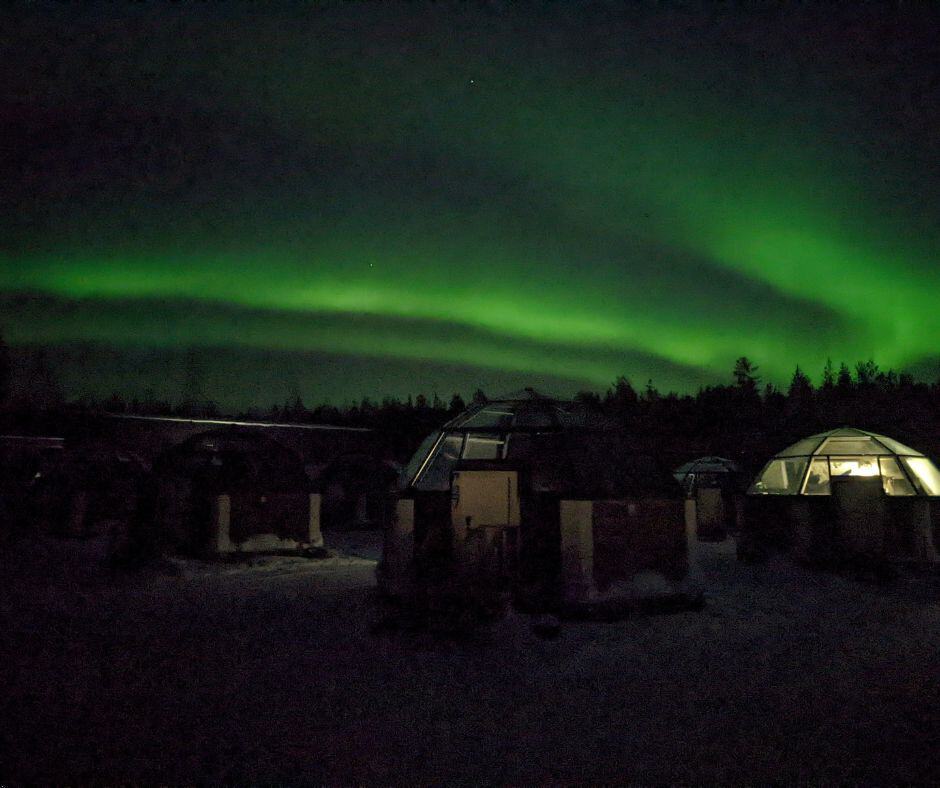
(436, 475)
(860, 445)
(925, 474)
(893, 478)
(414, 464)
(853, 466)
(817, 481)
(781, 477)
(491, 417)
(803, 447)
(897, 448)
(483, 447)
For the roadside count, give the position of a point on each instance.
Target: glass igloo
(708, 472)
(561, 446)
(483, 432)
(806, 467)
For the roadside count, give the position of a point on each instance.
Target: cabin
(541, 498)
(234, 490)
(846, 495)
(713, 488)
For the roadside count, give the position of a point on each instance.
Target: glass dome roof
(808, 466)
(706, 465)
(847, 440)
(522, 409)
(708, 472)
(561, 445)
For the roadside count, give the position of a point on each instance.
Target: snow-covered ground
(268, 671)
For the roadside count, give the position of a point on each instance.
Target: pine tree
(844, 380)
(745, 374)
(800, 385)
(294, 410)
(590, 399)
(623, 395)
(800, 396)
(866, 372)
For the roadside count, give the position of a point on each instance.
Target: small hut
(543, 498)
(235, 490)
(712, 486)
(847, 494)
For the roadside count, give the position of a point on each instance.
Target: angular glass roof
(562, 444)
(526, 409)
(847, 440)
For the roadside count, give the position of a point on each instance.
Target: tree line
(742, 418)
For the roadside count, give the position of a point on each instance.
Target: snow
(268, 670)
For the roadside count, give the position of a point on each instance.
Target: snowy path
(267, 671)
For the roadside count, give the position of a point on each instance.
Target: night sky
(351, 199)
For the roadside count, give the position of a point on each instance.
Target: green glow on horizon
(566, 218)
(550, 318)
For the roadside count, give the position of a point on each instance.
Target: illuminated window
(782, 477)
(803, 447)
(817, 480)
(897, 448)
(924, 473)
(853, 466)
(893, 479)
(850, 445)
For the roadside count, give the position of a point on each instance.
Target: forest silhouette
(742, 418)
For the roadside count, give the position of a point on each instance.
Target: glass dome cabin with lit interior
(845, 494)
(809, 466)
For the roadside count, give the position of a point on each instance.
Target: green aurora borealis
(556, 193)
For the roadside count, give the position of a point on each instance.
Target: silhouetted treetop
(844, 380)
(745, 374)
(800, 385)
